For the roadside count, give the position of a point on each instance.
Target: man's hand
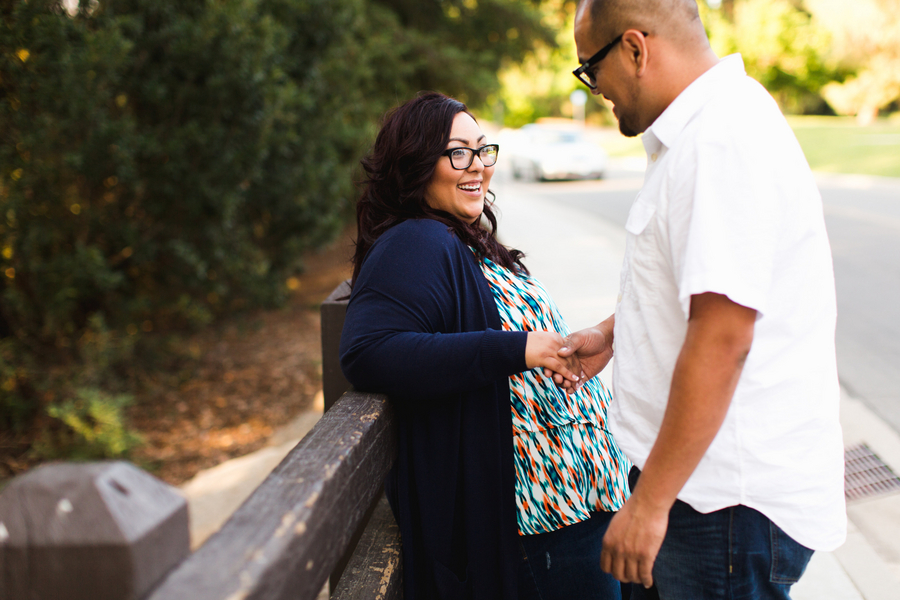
(542, 350)
(592, 347)
(632, 541)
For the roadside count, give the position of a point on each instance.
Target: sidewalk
(577, 256)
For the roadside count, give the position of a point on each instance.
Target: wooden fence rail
(297, 528)
(285, 540)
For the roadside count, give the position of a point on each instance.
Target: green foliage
(540, 85)
(93, 428)
(801, 50)
(455, 46)
(866, 36)
(783, 48)
(164, 162)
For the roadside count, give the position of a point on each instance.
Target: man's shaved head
(675, 19)
(655, 49)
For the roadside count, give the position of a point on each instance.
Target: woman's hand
(593, 348)
(542, 350)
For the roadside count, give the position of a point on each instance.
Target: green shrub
(93, 427)
(164, 162)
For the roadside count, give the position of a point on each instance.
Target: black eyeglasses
(585, 73)
(461, 158)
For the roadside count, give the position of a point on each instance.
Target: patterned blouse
(567, 464)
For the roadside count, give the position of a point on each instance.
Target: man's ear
(634, 43)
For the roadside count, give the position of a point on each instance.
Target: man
(725, 378)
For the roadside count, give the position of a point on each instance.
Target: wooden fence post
(333, 310)
(87, 531)
(334, 384)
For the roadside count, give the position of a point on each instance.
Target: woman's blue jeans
(565, 564)
(735, 553)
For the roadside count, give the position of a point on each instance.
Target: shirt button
(619, 299)
(653, 157)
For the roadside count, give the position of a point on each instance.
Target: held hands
(593, 349)
(543, 350)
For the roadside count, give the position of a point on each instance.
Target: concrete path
(214, 494)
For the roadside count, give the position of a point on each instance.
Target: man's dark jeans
(735, 553)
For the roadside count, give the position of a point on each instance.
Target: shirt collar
(669, 125)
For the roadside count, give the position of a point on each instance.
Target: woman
(503, 485)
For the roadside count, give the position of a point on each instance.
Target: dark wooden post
(72, 531)
(333, 310)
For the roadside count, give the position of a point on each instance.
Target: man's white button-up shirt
(729, 206)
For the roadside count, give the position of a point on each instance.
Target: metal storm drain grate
(865, 475)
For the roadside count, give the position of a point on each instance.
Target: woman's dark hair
(398, 171)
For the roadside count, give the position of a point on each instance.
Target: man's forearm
(608, 327)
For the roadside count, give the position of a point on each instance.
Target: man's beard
(627, 119)
(627, 130)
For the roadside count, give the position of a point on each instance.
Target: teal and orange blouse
(567, 463)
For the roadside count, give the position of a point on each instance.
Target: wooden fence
(320, 513)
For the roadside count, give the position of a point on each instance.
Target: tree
(163, 162)
(866, 36)
(455, 46)
(540, 84)
(783, 47)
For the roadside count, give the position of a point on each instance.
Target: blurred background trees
(783, 46)
(164, 162)
(820, 57)
(816, 56)
(866, 40)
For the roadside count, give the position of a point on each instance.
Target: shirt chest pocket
(639, 216)
(642, 261)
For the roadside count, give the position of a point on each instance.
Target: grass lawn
(839, 145)
(832, 144)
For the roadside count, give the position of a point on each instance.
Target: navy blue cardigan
(423, 327)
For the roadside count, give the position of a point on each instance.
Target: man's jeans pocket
(789, 557)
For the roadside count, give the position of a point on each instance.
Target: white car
(542, 152)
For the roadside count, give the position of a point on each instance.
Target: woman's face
(461, 192)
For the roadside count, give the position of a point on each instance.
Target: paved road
(863, 219)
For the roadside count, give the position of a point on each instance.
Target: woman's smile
(472, 187)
